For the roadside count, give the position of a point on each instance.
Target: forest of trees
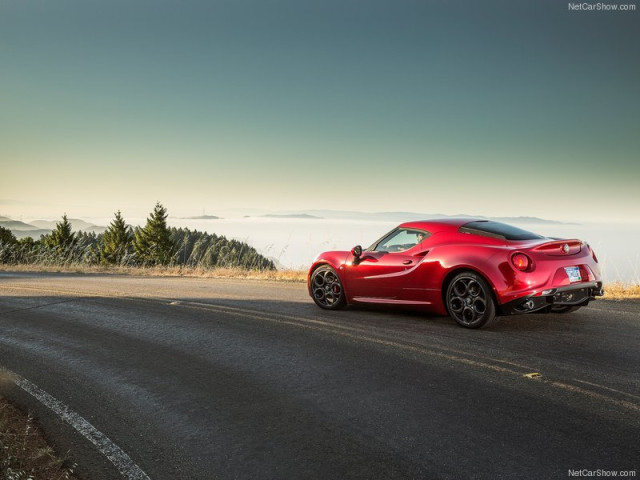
(151, 245)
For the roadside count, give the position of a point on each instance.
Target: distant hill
(35, 234)
(293, 215)
(76, 224)
(45, 224)
(413, 216)
(532, 220)
(16, 225)
(374, 216)
(202, 217)
(44, 227)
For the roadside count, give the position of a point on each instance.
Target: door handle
(407, 262)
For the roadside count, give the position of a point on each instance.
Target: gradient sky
(516, 107)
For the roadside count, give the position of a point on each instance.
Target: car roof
(440, 224)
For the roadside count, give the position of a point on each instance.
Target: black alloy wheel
(470, 301)
(326, 288)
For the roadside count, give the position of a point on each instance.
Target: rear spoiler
(560, 247)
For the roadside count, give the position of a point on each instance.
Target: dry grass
(24, 453)
(613, 291)
(296, 276)
(621, 291)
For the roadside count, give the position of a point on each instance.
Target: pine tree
(7, 237)
(116, 241)
(62, 238)
(7, 244)
(153, 244)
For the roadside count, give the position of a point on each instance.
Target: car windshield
(488, 228)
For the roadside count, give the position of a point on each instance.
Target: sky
(495, 108)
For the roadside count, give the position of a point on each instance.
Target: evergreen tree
(61, 239)
(7, 244)
(86, 248)
(117, 241)
(7, 237)
(200, 249)
(153, 244)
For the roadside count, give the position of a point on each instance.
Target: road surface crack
(39, 306)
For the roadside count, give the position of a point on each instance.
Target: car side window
(400, 240)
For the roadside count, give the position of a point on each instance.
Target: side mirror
(356, 252)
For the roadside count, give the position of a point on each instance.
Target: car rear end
(549, 274)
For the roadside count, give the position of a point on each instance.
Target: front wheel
(470, 301)
(326, 288)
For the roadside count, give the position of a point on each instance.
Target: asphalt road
(210, 378)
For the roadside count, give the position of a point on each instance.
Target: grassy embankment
(621, 291)
(24, 452)
(174, 271)
(613, 291)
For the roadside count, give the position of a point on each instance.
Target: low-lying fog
(294, 242)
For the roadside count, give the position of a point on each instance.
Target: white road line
(121, 460)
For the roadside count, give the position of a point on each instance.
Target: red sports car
(472, 269)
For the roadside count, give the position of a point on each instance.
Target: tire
(326, 288)
(469, 301)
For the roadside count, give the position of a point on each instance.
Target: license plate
(573, 273)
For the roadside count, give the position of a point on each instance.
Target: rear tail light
(521, 262)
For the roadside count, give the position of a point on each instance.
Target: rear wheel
(326, 288)
(469, 301)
